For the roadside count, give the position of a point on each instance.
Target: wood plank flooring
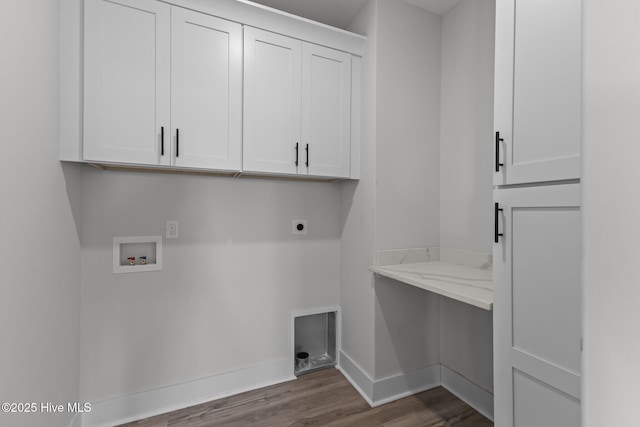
(323, 398)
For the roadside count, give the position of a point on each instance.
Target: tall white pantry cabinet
(537, 244)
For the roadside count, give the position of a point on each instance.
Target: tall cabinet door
(126, 80)
(272, 72)
(326, 110)
(537, 300)
(537, 90)
(206, 91)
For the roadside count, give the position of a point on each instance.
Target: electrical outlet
(172, 230)
(300, 226)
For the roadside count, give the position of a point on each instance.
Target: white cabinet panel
(537, 404)
(272, 78)
(326, 110)
(206, 96)
(163, 86)
(537, 300)
(297, 107)
(546, 273)
(538, 90)
(127, 85)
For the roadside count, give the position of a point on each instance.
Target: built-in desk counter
(469, 279)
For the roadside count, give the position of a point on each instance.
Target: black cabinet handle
(297, 153)
(307, 162)
(498, 141)
(162, 141)
(496, 212)
(177, 142)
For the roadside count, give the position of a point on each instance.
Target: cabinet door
(126, 80)
(538, 90)
(326, 110)
(206, 91)
(272, 71)
(537, 300)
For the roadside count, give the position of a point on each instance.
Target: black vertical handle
(496, 212)
(162, 141)
(307, 162)
(177, 142)
(297, 144)
(498, 141)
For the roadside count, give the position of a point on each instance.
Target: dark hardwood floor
(323, 398)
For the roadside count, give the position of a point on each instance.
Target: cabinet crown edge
(269, 19)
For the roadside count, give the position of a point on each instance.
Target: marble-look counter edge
(444, 290)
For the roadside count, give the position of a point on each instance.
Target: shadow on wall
(73, 181)
(407, 328)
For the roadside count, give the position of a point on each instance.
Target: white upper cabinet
(177, 84)
(127, 80)
(163, 86)
(537, 91)
(326, 110)
(272, 89)
(297, 107)
(206, 91)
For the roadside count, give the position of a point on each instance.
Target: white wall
(407, 180)
(407, 328)
(408, 126)
(466, 343)
(39, 248)
(395, 203)
(611, 209)
(357, 296)
(223, 298)
(466, 219)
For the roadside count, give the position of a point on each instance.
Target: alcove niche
(315, 339)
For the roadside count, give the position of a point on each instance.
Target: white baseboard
(159, 401)
(358, 378)
(385, 390)
(396, 387)
(472, 394)
(166, 399)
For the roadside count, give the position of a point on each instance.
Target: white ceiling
(339, 13)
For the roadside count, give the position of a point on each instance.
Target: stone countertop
(463, 283)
